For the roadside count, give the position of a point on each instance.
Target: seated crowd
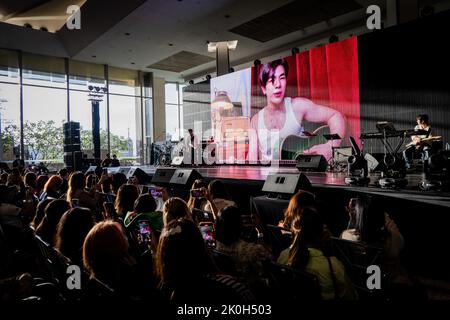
(133, 244)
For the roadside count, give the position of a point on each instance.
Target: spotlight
(257, 62)
(208, 77)
(97, 89)
(191, 81)
(231, 69)
(90, 88)
(27, 25)
(333, 38)
(43, 29)
(105, 90)
(294, 51)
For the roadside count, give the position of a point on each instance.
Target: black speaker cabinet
(316, 163)
(139, 174)
(286, 183)
(185, 177)
(162, 176)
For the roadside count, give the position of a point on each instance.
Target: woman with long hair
(77, 183)
(46, 230)
(126, 196)
(186, 270)
(298, 202)
(309, 253)
(52, 188)
(175, 208)
(107, 260)
(73, 228)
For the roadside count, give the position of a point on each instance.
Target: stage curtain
(328, 75)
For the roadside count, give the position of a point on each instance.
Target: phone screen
(154, 192)
(208, 235)
(145, 231)
(197, 193)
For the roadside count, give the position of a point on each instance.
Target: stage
(256, 175)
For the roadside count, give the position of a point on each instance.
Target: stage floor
(258, 174)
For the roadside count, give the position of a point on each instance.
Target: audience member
(83, 198)
(64, 175)
(40, 212)
(219, 195)
(40, 183)
(72, 229)
(248, 257)
(175, 208)
(53, 212)
(117, 180)
(308, 253)
(115, 162)
(107, 161)
(145, 210)
(302, 199)
(187, 272)
(106, 258)
(125, 199)
(52, 188)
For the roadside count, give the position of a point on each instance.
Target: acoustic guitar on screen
(422, 142)
(293, 146)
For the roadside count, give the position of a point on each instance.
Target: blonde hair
(175, 208)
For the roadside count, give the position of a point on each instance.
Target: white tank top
(269, 142)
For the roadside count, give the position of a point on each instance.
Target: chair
(53, 269)
(288, 284)
(224, 262)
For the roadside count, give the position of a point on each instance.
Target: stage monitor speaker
(286, 184)
(185, 177)
(90, 170)
(316, 163)
(162, 176)
(177, 161)
(139, 174)
(124, 170)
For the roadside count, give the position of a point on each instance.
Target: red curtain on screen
(329, 76)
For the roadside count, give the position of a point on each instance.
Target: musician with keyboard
(419, 143)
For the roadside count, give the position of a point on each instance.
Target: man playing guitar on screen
(419, 143)
(283, 116)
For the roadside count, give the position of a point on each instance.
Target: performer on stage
(420, 143)
(191, 145)
(284, 116)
